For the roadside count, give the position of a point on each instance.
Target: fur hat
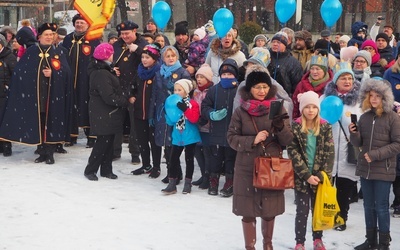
(3, 40)
(325, 33)
(344, 38)
(388, 26)
(46, 26)
(112, 34)
(364, 54)
(200, 32)
(282, 37)
(181, 28)
(153, 50)
(256, 77)
(169, 47)
(229, 66)
(127, 25)
(306, 98)
(187, 85)
(381, 87)
(322, 44)
(76, 17)
(262, 37)
(347, 53)
(206, 71)
(384, 36)
(303, 34)
(259, 56)
(103, 51)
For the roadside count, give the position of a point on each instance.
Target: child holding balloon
(185, 133)
(312, 151)
(170, 71)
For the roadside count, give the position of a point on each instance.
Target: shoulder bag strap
(264, 147)
(341, 126)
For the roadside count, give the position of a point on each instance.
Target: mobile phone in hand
(275, 109)
(354, 120)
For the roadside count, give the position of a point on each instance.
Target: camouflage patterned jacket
(324, 156)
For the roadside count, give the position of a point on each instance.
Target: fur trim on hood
(383, 88)
(216, 47)
(246, 95)
(350, 98)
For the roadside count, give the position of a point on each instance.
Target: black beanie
(76, 17)
(181, 28)
(229, 66)
(384, 36)
(322, 44)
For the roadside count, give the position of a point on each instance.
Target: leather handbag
(352, 152)
(271, 172)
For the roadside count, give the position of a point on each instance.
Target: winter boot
(60, 149)
(90, 142)
(206, 182)
(396, 211)
(50, 159)
(384, 241)
(198, 182)
(227, 190)
(7, 149)
(1, 146)
(142, 170)
(214, 182)
(249, 233)
(171, 188)
(74, 140)
(267, 228)
(155, 173)
(187, 188)
(371, 242)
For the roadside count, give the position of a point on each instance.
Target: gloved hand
(209, 27)
(132, 47)
(218, 115)
(278, 121)
(182, 106)
(202, 121)
(151, 122)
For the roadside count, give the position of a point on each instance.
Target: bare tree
(145, 11)
(123, 9)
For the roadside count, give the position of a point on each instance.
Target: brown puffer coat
(247, 200)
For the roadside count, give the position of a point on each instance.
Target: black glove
(278, 121)
(182, 106)
(202, 121)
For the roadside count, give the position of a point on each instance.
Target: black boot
(74, 140)
(214, 182)
(155, 173)
(7, 149)
(171, 188)
(60, 149)
(371, 242)
(41, 158)
(227, 190)
(206, 182)
(50, 159)
(90, 142)
(384, 241)
(198, 182)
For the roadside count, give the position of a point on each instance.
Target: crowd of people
(53, 84)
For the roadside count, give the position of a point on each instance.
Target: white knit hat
(187, 85)
(306, 98)
(200, 32)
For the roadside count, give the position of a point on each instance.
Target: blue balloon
(223, 21)
(331, 109)
(285, 9)
(331, 10)
(172, 111)
(161, 14)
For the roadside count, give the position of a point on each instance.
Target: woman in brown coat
(247, 140)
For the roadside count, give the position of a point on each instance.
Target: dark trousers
(133, 143)
(101, 156)
(145, 136)
(303, 201)
(222, 156)
(202, 154)
(396, 191)
(345, 191)
(175, 167)
(45, 148)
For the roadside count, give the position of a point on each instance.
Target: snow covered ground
(56, 207)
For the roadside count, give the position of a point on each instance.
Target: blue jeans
(376, 204)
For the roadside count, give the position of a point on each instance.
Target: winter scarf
(166, 71)
(256, 107)
(316, 83)
(206, 86)
(181, 123)
(228, 83)
(147, 73)
(362, 74)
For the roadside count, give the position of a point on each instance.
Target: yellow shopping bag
(326, 209)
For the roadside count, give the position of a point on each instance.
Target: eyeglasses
(360, 61)
(259, 88)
